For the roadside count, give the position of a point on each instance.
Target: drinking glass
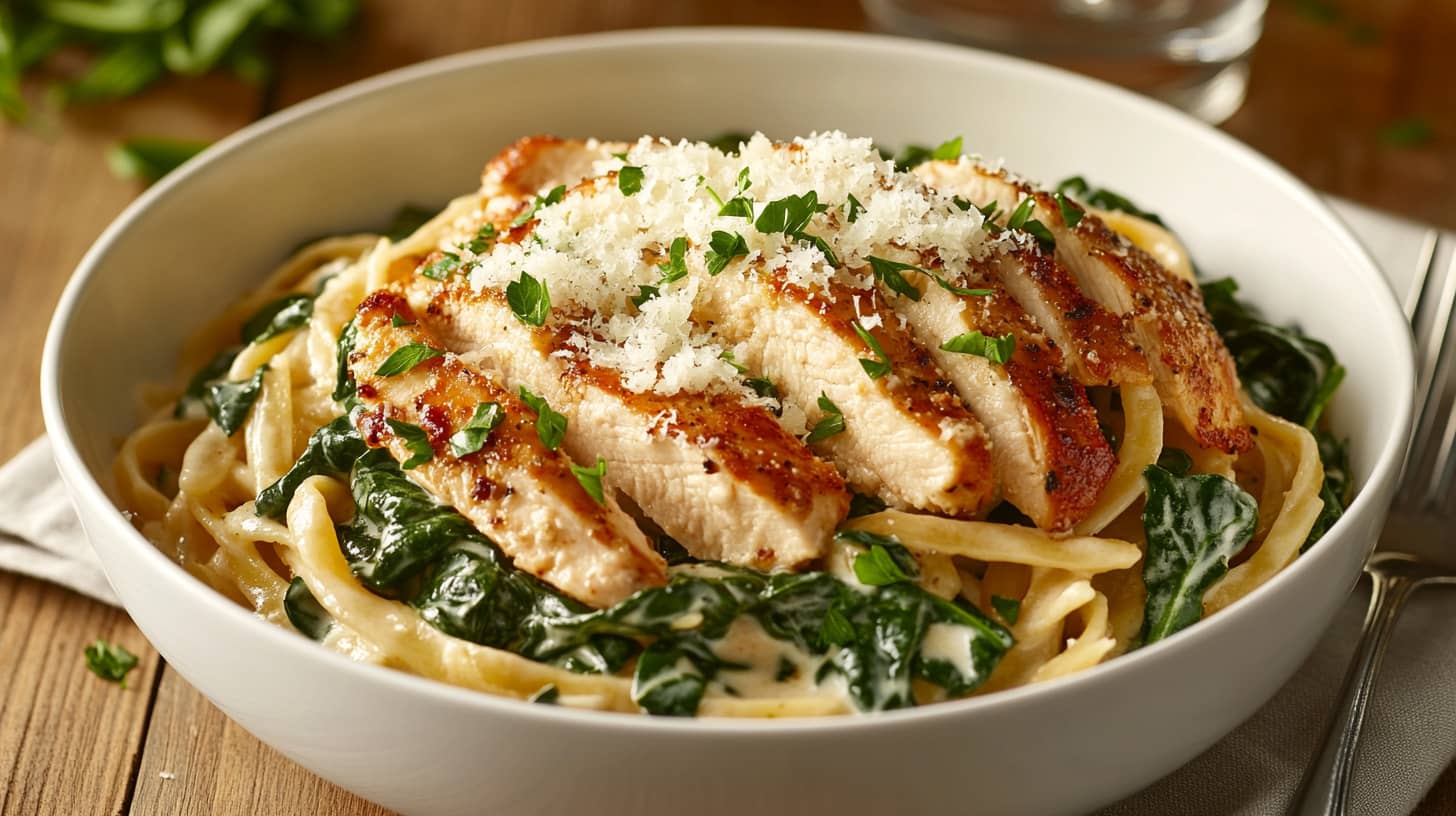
(1191, 53)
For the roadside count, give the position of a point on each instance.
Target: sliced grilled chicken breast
(906, 437)
(518, 492)
(536, 163)
(1192, 369)
(1049, 452)
(717, 474)
(1098, 344)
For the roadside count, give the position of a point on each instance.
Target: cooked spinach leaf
(214, 370)
(331, 451)
(1104, 199)
(282, 315)
(1335, 489)
(1285, 372)
(1194, 525)
(228, 403)
(345, 388)
(305, 612)
(406, 220)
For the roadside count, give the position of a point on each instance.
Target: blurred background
(97, 97)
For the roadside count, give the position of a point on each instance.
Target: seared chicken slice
(1192, 369)
(1097, 343)
(717, 474)
(907, 438)
(537, 163)
(1049, 452)
(522, 495)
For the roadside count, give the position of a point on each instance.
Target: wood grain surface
(1327, 80)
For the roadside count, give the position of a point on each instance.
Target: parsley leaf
(676, 267)
(790, 214)
(399, 322)
(1041, 233)
(723, 247)
(472, 435)
(888, 273)
(1104, 198)
(554, 197)
(913, 155)
(739, 205)
(644, 294)
(415, 440)
(448, 263)
(482, 240)
(1008, 608)
(961, 290)
(591, 479)
(995, 349)
(878, 367)
(629, 180)
(875, 567)
(407, 357)
(529, 300)
(830, 424)
(228, 403)
(110, 661)
(947, 151)
(550, 426)
(852, 209)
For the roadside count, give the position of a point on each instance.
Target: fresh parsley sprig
(110, 661)
(590, 479)
(415, 440)
(406, 357)
(996, 349)
(555, 196)
(791, 215)
(550, 426)
(472, 435)
(529, 299)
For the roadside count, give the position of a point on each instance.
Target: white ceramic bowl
(347, 159)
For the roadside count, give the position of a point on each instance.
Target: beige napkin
(1410, 736)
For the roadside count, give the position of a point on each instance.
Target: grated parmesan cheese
(598, 247)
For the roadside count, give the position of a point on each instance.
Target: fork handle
(1325, 790)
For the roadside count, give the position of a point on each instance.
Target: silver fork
(1423, 501)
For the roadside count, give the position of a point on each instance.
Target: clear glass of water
(1191, 53)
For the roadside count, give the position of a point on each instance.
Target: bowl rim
(86, 490)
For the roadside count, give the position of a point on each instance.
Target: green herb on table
(148, 158)
(134, 43)
(110, 661)
(1409, 132)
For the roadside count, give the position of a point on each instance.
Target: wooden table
(1327, 78)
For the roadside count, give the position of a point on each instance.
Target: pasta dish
(754, 429)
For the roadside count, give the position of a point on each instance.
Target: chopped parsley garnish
(1041, 233)
(529, 299)
(415, 440)
(110, 661)
(676, 267)
(644, 294)
(629, 180)
(1104, 198)
(407, 357)
(723, 247)
(830, 424)
(739, 205)
(472, 435)
(875, 567)
(888, 273)
(399, 322)
(913, 155)
(995, 349)
(554, 197)
(1008, 608)
(550, 426)
(790, 215)
(878, 367)
(448, 263)
(852, 209)
(591, 479)
(961, 290)
(1071, 213)
(729, 358)
(1018, 216)
(482, 240)
(764, 387)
